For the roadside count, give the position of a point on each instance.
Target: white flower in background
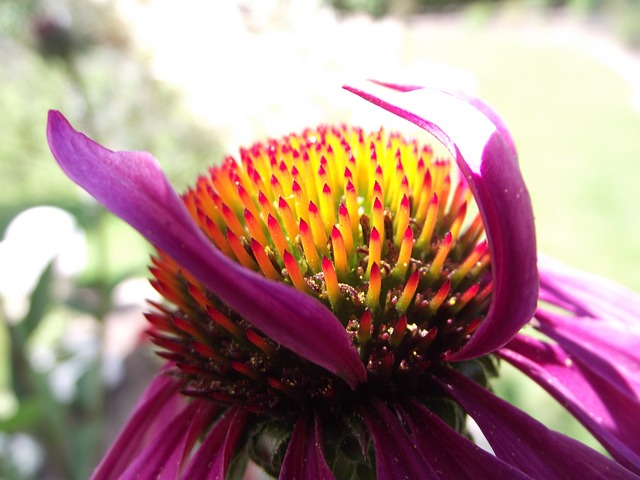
(32, 240)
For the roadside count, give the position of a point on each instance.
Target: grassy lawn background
(578, 140)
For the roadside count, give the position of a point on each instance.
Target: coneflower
(338, 301)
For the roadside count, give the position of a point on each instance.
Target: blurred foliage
(379, 8)
(77, 77)
(625, 19)
(63, 55)
(622, 17)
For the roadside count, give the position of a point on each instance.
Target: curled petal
(212, 460)
(524, 442)
(132, 186)
(485, 108)
(451, 454)
(600, 403)
(304, 459)
(162, 400)
(397, 455)
(491, 169)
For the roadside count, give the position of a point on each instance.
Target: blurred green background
(190, 82)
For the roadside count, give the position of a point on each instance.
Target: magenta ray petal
(164, 456)
(449, 453)
(199, 420)
(211, 461)
(610, 350)
(604, 333)
(595, 401)
(491, 169)
(397, 455)
(161, 400)
(586, 294)
(526, 443)
(132, 186)
(304, 459)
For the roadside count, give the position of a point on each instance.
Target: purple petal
(524, 442)
(449, 453)
(304, 459)
(132, 186)
(586, 294)
(212, 459)
(162, 459)
(604, 334)
(598, 402)
(397, 455)
(161, 400)
(491, 169)
(199, 420)
(611, 350)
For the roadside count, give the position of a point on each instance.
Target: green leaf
(39, 302)
(238, 465)
(28, 414)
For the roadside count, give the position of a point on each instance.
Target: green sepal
(268, 444)
(347, 448)
(481, 370)
(238, 466)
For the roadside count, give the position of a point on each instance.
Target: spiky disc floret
(373, 225)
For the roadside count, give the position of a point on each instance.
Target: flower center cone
(375, 226)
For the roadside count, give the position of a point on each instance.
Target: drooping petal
(212, 459)
(163, 458)
(397, 455)
(596, 401)
(478, 103)
(601, 333)
(586, 294)
(199, 420)
(304, 459)
(132, 186)
(162, 400)
(449, 453)
(524, 442)
(491, 169)
(611, 350)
